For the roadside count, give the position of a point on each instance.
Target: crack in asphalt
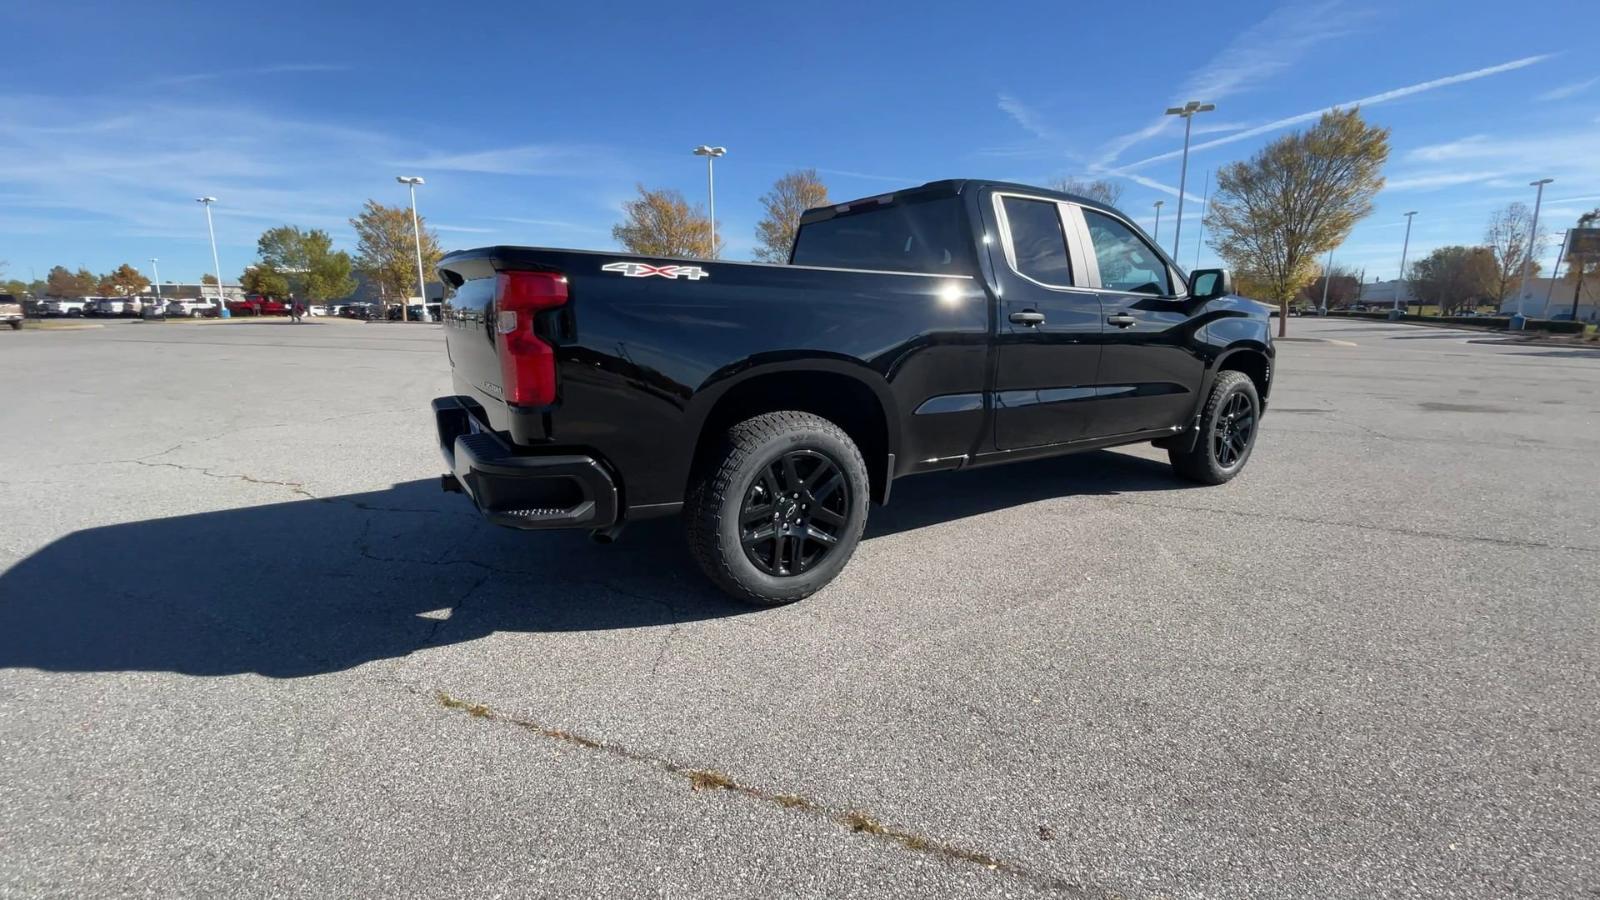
(294, 486)
(856, 820)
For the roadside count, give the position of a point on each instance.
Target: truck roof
(948, 187)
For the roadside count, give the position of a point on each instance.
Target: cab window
(1038, 246)
(1127, 261)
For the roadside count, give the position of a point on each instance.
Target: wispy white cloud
(277, 69)
(1368, 101)
(1567, 91)
(1437, 180)
(547, 223)
(466, 229)
(1259, 53)
(527, 159)
(1028, 119)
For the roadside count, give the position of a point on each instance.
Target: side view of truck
(957, 324)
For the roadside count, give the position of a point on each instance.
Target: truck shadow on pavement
(315, 586)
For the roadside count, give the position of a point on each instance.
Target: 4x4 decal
(645, 270)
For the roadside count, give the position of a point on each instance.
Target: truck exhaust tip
(606, 535)
(449, 484)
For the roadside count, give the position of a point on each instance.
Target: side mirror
(1209, 284)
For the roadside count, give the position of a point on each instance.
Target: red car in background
(257, 305)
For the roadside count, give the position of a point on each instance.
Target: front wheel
(16, 324)
(1228, 427)
(776, 513)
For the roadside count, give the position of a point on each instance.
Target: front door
(1150, 364)
(1049, 329)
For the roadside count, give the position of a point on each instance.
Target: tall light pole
(412, 181)
(1533, 238)
(1327, 276)
(1187, 111)
(1157, 235)
(1404, 248)
(1205, 201)
(216, 266)
(156, 271)
(711, 153)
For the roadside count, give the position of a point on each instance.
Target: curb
(1307, 340)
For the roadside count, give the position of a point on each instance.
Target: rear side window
(901, 237)
(1127, 261)
(1038, 246)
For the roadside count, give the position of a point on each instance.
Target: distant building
(1544, 300)
(1383, 294)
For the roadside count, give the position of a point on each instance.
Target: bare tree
(790, 197)
(1583, 256)
(1344, 287)
(1507, 238)
(1295, 200)
(1101, 189)
(661, 223)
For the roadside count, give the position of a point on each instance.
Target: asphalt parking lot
(247, 647)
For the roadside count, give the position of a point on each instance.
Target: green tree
(661, 223)
(299, 262)
(123, 281)
(62, 283)
(1295, 200)
(1107, 192)
(386, 249)
(265, 280)
(1455, 277)
(789, 198)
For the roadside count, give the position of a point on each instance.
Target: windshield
(925, 236)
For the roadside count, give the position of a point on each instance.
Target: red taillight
(527, 364)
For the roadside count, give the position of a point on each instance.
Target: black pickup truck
(961, 323)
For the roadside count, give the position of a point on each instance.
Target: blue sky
(532, 122)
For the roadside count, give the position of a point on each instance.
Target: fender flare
(719, 383)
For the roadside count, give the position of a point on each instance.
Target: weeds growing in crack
(703, 780)
(709, 780)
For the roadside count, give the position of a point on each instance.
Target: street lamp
(1404, 248)
(412, 181)
(1327, 276)
(156, 271)
(711, 153)
(1157, 235)
(1187, 111)
(216, 266)
(1533, 238)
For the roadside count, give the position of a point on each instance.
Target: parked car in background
(257, 305)
(414, 312)
(114, 306)
(193, 309)
(63, 306)
(11, 311)
(318, 309)
(361, 311)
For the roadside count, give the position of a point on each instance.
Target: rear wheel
(1228, 427)
(16, 324)
(778, 511)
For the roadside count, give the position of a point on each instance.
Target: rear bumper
(517, 490)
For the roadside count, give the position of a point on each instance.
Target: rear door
(1049, 327)
(1150, 365)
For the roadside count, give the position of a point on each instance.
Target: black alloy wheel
(1236, 425)
(795, 513)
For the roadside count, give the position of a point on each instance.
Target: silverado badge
(645, 270)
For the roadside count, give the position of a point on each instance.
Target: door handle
(1028, 317)
(1122, 320)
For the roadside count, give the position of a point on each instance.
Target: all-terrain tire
(727, 480)
(1217, 456)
